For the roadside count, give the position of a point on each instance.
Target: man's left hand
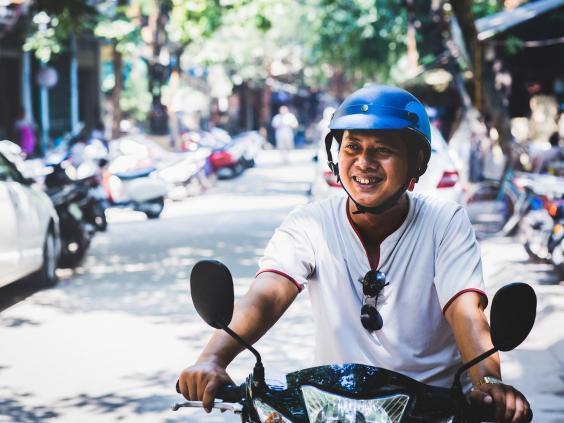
(511, 406)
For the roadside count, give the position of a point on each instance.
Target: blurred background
(140, 136)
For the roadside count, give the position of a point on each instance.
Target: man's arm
(472, 335)
(267, 299)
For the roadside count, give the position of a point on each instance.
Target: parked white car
(29, 225)
(440, 180)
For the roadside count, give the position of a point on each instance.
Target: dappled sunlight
(123, 321)
(14, 404)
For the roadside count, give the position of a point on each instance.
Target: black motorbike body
(76, 233)
(414, 401)
(92, 204)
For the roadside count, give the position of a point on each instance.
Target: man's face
(372, 165)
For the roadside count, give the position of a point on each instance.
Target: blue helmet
(385, 108)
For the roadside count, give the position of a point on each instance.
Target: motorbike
(131, 180)
(351, 393)
(87, 181)
(186, 174)
(78, 198)
(76, 233)
(556, 238)
(542, 229)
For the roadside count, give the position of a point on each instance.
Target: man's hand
(201, 381)
(511, 406)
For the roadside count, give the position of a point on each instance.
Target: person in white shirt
(554, 153)
(394, 277)
(284, 124)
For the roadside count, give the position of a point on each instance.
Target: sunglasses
(372, 284)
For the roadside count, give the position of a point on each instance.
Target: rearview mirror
(513, 313)
(211, 287)
(514, 309)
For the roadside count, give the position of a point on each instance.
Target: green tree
(116, 24)
(53, 22)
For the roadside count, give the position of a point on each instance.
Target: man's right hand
(201, 381)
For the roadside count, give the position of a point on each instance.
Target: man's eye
(351, 146)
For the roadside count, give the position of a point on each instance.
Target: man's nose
(366, 160)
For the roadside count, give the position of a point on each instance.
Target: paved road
(107, 343)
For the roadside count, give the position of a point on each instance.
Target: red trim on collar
(376, 260)
(458, 294)
(278, 272)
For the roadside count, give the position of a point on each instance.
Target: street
(107, 343)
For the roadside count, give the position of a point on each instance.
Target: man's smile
(366, 180)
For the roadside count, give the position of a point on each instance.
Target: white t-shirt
(431, 259)
(284, 124)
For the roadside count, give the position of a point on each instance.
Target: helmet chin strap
(360, 209)
(386, 205)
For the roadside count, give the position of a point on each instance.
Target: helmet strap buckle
(332, 165)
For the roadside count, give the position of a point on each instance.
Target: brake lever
(218, 404)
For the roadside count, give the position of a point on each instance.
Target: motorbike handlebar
(480, 412)
(226, 393)
(231, 393)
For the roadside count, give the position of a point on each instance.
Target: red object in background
(331, 179)
(448, 180)
(106, 184)
(221, 159)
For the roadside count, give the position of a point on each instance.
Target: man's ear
(421, 166)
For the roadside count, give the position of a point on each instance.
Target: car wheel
(47, 276)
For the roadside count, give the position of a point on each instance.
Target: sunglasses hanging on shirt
(372, 284)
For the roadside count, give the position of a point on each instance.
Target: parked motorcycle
(229, 156)
(76, 232)
(186, 174)
(351, 393)
(556, 242)
(137, 189)
(131, 179)
(542, 228)
(87, 181)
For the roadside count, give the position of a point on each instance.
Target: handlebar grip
(481, 412)
(231, 393)
(226, 393)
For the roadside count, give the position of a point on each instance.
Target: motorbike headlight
(325, 407)
(267, 414)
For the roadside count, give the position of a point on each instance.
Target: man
(427, 316)
(24, 132)
(554, 153)
(284, 124)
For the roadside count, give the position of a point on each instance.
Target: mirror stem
(466, 366)
(258, 371)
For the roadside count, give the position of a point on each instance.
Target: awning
(489, 26)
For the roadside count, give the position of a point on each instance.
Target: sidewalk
(536, 367)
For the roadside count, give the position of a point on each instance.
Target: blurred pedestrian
(284, 124)
(24, 134)
(554, 153)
